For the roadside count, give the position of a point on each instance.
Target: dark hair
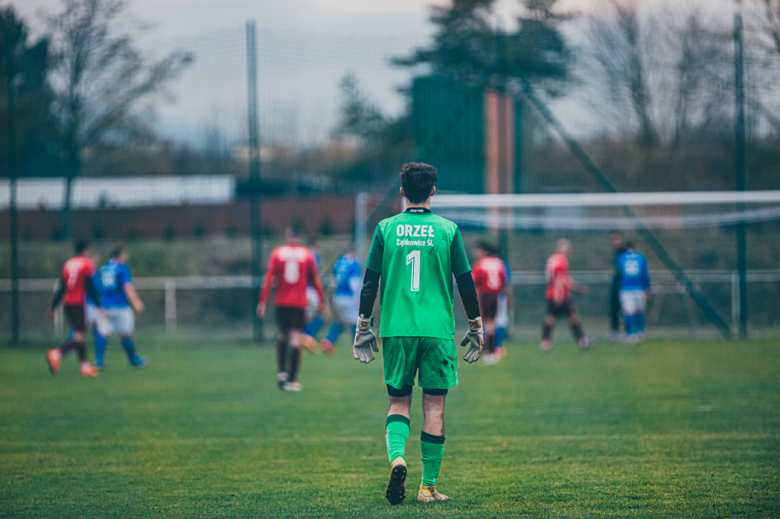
(629, 244)
(295, 230)
(117, 251)
(418, 179)
(487, 247)
(79, 246)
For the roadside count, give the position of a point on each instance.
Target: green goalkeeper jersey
(416, 254)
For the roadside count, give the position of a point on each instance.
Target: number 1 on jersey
(414, 258)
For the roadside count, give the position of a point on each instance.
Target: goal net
(697, 230)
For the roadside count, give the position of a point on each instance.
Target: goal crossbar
(607, 199)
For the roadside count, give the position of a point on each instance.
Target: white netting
(604, 212)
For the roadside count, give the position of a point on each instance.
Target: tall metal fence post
(254, 176)
(739, 133)
(171, 318)
(734, 298)
(13, 174)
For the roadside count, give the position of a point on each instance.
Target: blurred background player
(416, 254)
(490, 280)
(75, 283)
(314, 321)
(505, 307)
(114, 281)
(634, 281)
(558, 297)
(618, 246)
(90, 309)
(291, 268)
(346, 298)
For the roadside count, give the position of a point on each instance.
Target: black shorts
(488, 306)
(565, 308)
(76, 317)
(290, 318)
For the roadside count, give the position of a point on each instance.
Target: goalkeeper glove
(475, 338)
(365, 341)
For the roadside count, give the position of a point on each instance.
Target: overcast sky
(305, 48)
(187, 17)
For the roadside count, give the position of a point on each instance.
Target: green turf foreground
(666, 429)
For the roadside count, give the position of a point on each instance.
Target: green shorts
(436, 360)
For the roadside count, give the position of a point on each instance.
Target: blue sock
(629, 324)
(334, 332)
(313, 328)
(100, 347)
(129, 347)
(500, 336)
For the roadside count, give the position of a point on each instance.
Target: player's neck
(421, 205)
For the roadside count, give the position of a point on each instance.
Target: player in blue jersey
(346, 298)
(314, 320)
(505, 304)
(118, 299)
(618, 247)
(634, 281)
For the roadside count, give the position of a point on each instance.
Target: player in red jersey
(490, 280)
(558, 297)
(291, 268)
(75, 282)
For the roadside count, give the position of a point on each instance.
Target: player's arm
(132, 296)
(57, 297)
(268, 282)
(92, 290)
(559, 286)
(510, 295)
(646, 281)
(317, 282)
(468, 294)
(577, 287)
(365, 342)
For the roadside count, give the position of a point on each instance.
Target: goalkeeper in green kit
(416, 254)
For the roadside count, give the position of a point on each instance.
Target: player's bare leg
(490, 341)
(281, 360)
(397, 425)
(432, 447)
(547, 328)
(76, 342)
(295, 339)
(578, 332)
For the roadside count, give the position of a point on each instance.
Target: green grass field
(666, 429)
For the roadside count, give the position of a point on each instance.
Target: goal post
(696, 229)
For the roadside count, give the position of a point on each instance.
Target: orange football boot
(88, 370)
(53, 357)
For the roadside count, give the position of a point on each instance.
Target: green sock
(432, 450)
(397, 433)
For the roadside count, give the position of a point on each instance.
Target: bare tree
(771, 25)
(762, 42)
(101, 80)
(703, 78)
(616, 46)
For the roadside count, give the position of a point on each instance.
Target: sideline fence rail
(663, 282)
